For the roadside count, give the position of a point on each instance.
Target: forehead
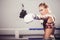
(41, 7)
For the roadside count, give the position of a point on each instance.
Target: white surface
(29, 17)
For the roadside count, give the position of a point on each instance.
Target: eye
(41, 10)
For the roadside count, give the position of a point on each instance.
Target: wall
(10, 10)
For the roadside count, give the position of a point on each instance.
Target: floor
(11, 37)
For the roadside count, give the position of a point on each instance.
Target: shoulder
(52, 16)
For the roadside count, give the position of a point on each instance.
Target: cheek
(42, 11)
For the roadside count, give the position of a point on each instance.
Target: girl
(48, 21)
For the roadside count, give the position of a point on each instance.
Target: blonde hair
(43, 4)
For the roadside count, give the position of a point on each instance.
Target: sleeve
(37, 17)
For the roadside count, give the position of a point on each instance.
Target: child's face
(43, 10)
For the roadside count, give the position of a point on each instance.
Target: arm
(50, 19)
(50, 22)
(38, 18)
